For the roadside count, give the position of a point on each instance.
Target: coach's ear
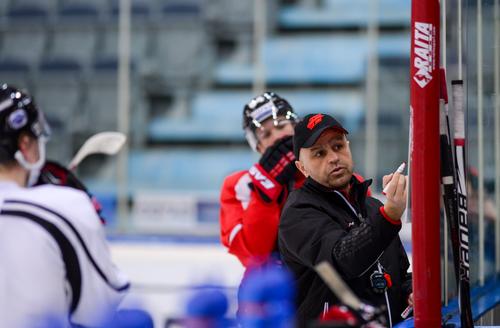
(302, 168)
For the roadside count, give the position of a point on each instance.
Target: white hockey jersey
(55, 266)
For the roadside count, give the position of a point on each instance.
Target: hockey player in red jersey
(252, 200)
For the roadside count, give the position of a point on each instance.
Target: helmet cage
(267, 106)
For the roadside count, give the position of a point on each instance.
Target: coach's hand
(396, 195)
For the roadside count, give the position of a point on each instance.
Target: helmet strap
(34, 168)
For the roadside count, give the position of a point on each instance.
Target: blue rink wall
(484, 304)
(164, 270)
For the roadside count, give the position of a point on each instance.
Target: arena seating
(340, 14)
(58, 90)
(217, 115)
(24, 36)
(194, 58)
(181, 169)
(320, 59)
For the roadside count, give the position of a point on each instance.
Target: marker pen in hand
(407, 312)
(399, 170)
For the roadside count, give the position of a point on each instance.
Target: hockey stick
(448, 181)
(104, 142)
(461, 217)
(342, 291)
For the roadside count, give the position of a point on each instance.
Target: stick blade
(103, 143)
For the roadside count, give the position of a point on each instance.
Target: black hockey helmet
(266, 106)
(19, 113)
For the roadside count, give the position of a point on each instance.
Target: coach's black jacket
(319, 224)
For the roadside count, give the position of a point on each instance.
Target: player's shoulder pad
(66, 201)
(50, 192)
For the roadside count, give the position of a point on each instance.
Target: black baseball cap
(310, 128)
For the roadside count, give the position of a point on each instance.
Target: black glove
(56, 174)
(279, 160)
(275, 169)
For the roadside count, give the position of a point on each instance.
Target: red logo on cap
(314, 120)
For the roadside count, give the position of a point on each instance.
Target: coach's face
(328, 161)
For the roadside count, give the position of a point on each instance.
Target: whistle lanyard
(360, 217)
(386, 297)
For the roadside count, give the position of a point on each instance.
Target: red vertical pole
(424, 100)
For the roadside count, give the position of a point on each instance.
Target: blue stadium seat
(58, 90)
(197, 172)
(60, 65)
(180, 43)
(232, 15)
(348, 107)
(17, 50)
(181, 170)
(303, 60)
(141, 14)
(15, 72)
(101, 102)
(74, 37)
(139, 9)
(78, 11)
(394, 46)
(319, 59)
(346, 14)
(14, 66)
(27, 12)
(4, 5)
(25, 36)
(181, 11)
(109, 64)
(179, 8)
(217, 115)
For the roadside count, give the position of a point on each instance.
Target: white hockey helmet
(266, 106)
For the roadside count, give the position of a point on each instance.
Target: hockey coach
(55, 267)
(330, 218)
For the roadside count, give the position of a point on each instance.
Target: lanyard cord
(386, 297)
